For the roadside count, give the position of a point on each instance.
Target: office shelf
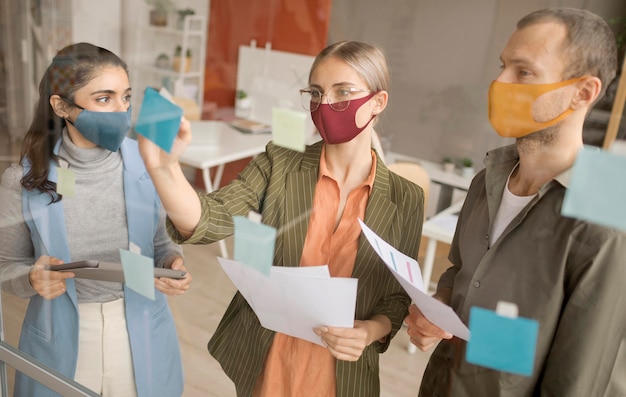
(153, 41)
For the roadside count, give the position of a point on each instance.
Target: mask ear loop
(71, 103)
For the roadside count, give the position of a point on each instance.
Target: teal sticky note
(66, 182)
(138, 273)
(502, 343)
(597, 193)
(254, 244)
(289, 128)
(159, 119)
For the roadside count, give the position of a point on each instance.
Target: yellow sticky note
(66, 182)
(288, 128)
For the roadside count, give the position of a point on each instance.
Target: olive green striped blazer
(280, 184)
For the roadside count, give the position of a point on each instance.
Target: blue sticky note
(502, 343)
(597, 193)
(289, 128)
(254, 244)
(138, 273)
(159, 119)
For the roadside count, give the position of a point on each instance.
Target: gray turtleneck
(95, 220)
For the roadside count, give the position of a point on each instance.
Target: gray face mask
(105, 129)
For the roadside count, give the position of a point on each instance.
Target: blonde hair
(367, 60)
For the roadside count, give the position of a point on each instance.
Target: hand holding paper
(423, 334)
(406, 270)
(295, 300)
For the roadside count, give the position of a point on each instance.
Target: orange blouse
(295, 367)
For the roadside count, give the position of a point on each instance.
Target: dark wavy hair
(71, 69)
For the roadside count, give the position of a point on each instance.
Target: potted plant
(162, 61)
(182, 14)
(243, 104)
(467, 169)
(177, 61)
(242, 100)
(159, 11)
(447, 164)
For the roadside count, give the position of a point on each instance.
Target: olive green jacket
(280, 184)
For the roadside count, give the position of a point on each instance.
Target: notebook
(250, 126)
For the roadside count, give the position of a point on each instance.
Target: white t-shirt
(510, 206)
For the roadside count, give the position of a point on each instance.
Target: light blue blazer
(50, 328)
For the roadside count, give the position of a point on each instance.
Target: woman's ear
(59, 106)
(380, 101)
(588, 91)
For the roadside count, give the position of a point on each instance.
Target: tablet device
(107, 271)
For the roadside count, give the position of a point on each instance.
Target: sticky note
(502, 343)
(132, 247)
(66, 182)
(159, 119)
(254, 244)
(289, 128)
(138, 273)
(597, 193)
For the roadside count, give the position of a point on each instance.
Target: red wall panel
(299, 26)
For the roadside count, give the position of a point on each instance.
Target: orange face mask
(510, 107)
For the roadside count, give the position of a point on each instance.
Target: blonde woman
(314, 199)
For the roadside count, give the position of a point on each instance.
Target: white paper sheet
(407, 271)
(294, 300)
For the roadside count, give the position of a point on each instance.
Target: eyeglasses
(338, 98)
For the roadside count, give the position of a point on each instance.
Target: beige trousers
(105, 362)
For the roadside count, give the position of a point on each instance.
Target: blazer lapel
(379, 215)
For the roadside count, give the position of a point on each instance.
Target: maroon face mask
(339, 127)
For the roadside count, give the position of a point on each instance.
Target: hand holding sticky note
(502, 341)
(159, 119)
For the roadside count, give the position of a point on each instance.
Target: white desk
(214, 144)
(440, 227)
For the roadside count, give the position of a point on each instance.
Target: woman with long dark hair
(100, 333)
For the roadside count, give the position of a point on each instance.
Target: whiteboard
(272, 79)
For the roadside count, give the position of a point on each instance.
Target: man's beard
(541, 138)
